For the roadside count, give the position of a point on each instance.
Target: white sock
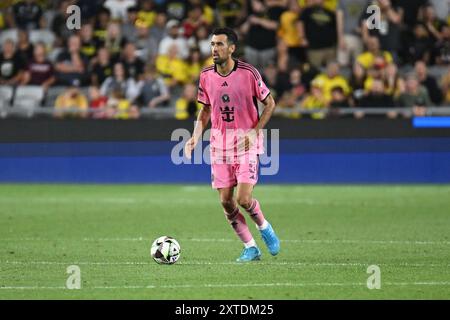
(264, 225)
(251, 243)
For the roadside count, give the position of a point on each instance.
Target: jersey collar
(234, 69)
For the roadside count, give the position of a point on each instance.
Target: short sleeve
(202, 96)
(261, 90)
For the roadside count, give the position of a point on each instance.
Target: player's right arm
(203, 116)
(202, 121)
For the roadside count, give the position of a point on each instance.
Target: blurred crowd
(321, 55)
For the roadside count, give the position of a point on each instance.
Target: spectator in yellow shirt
(367, 58)
(194, 65)
(290, 50)
(118, 107)
(71, 103)
(146, 15)
(332, 79)
(315, 100)
(172, 68)
(394, 85)
(207, 11)
(187, 106)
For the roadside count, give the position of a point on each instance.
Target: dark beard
(219, 61)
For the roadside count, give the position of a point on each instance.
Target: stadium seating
(8, 34)
(27, 99)
(6, 94)
(54, 34)
(45, 36)
(52, 94)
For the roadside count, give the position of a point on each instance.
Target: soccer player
(229, 91)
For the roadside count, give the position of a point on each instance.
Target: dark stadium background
(118, 137)
(139, 151)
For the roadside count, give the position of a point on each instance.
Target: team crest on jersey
(227, 113)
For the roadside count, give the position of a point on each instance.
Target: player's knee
(227, 204)
(231, 215)
(244, 201)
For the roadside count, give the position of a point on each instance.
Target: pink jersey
(234, 109)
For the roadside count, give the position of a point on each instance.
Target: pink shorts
(227, 175)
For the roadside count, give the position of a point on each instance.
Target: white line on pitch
(86, 199)
(306, 241)
(238, 285)
(331, 241)
(31, 288)
(432, 283)
(207, 263)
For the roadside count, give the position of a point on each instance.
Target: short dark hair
(230, 33)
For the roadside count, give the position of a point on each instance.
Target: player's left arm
(269, 107)
(261, 93)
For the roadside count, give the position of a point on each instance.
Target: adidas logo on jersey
(225, 84)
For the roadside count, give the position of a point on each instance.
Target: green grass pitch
(330, 236)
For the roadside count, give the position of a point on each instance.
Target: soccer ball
(165, 250)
